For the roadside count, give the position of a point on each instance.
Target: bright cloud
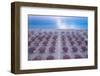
(60, 24)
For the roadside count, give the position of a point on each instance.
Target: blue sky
(57, 22)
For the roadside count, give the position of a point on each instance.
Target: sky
(57, 22)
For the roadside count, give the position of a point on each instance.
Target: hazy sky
(57, 22)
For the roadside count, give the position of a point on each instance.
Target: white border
(25, 64)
